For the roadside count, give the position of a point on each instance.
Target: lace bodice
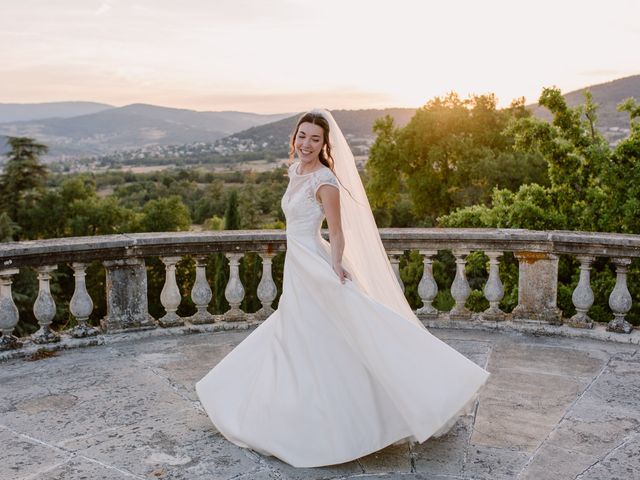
(300, 205)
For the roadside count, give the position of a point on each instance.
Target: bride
(343, 367)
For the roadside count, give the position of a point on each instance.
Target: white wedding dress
(333, 374)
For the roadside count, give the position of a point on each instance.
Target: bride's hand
(341, 272)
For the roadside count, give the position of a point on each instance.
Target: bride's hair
(317, 119)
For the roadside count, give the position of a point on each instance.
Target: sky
(276, 56)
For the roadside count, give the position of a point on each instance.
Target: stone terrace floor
(555, 408)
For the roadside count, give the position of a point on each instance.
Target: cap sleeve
(325, 177)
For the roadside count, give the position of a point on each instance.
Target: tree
(8, 227)
(248, 206)
(22, 172)
(165, 215)
(452, 153)
(231, 214)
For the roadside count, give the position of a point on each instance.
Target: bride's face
(309, 142)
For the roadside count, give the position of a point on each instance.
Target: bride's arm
(330, 198)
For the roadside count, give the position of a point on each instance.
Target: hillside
(131, 127)
(24, 112)
(355, 124)
(614, 125)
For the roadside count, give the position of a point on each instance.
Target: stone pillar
(8, 311)
(537, 288)
(234, 291)
(81, 304)
(427, 288)
(44, 307)
(620, 298)
(127, 305)
(201, 293)
(170, 296)
(394, 258)
(493, 290)
(460, 289)
(582, 296)
(267, 290)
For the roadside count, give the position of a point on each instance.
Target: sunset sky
(289, 55)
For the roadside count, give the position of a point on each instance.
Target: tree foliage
(231, 215)
(23, 172)
(452, 153)
(593, 187)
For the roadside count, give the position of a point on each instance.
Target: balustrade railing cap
(108, 247)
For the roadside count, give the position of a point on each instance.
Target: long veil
(363, 246)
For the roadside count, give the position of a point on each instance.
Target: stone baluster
(460, 289)
(493, 289)
(394, 258)
(267, 290)
(201, 293)
(8, 311)
(427, 288)
(537, 288)
(44, 307)
(126, 291)
(170, 296)
(582, 296)
(81, 304)
(620, 298)
(234, 291)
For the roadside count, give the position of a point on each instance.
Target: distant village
(225, 152)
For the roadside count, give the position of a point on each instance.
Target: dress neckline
(295, 170)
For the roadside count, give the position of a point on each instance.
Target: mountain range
(102, 129)
(88, 129)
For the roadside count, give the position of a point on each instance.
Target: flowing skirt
(333, 375)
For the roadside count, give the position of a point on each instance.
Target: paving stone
(183, 367)
(552, 462)
(622, 463)
(22, 457)
(394, 476)
(593, 438)
(476, 351)
(531, 386)
(259, 475)
(444, 455)
(488, 463)
(534, 402)
(619, 385)
(394, 458)
(571, 362)
(84, 469)
(342, 470)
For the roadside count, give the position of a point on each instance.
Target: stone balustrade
(123, 257)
